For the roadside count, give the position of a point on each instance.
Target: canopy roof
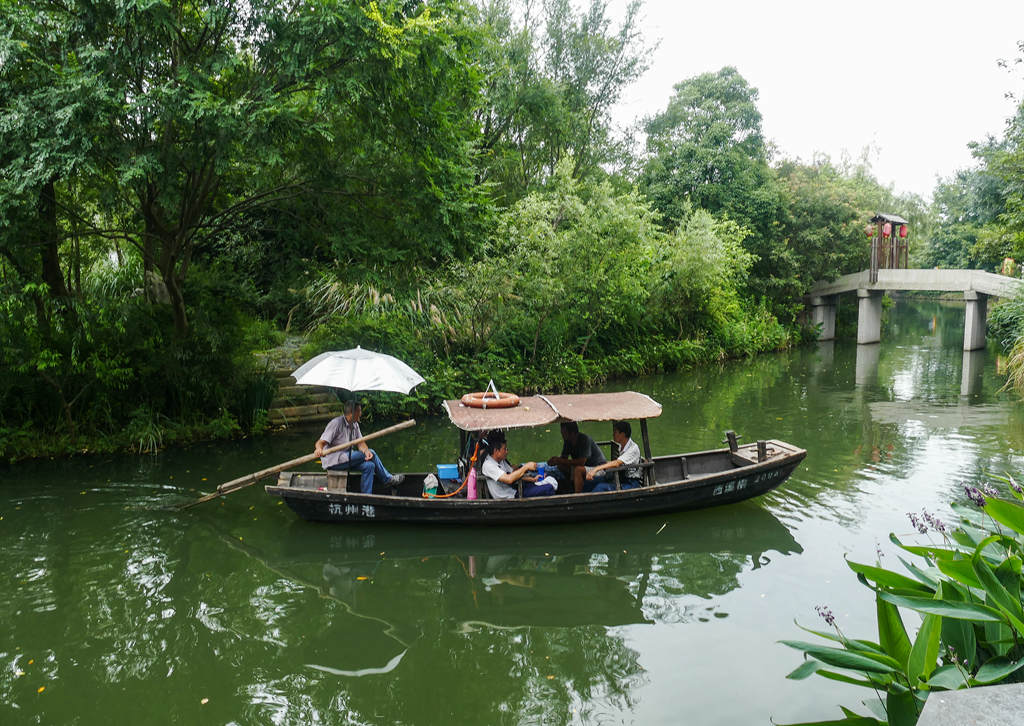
(894, 218)
(542, 410)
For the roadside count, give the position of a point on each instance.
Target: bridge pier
(974, 322)
(823, 312)
(869, 316)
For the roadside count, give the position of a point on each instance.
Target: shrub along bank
(578, 285)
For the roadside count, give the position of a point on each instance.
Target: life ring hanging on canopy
(488, 399)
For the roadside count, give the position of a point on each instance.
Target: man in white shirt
(343, 429)
(501, 476)
(629, 457)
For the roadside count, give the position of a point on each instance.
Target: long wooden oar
(235, 484)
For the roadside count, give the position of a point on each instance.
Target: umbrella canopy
(358, 370)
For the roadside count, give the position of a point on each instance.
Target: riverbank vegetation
(965, 586)
(182, 182)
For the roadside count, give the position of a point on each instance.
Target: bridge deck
(987, 283)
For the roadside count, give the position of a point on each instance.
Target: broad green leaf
(805, 669)
(923, 551)
(996, 670)
(948, 677)
(999, 637)
(920, 574)
(892, 634)
(872, 681)
(998, 594)
(945, 608)
(901, 708)
(959, 634)
(959, 570)
(1008, 513)
(887, 578)
(848, 721)
(868, 662)
(926, 649)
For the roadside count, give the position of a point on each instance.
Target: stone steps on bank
(294, 405)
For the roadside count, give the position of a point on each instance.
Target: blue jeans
(537, 490)
(374, 468)
(602, 484)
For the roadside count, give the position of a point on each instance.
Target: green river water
(117, 608)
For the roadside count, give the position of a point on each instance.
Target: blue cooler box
(447, 471)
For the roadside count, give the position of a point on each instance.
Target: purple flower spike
(826, 615)
(1015, 485)
(932, 521)
(975, 496)
(917, 523)
(990, 490)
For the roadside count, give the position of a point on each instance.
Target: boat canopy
(543, 410)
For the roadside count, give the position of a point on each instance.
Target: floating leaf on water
(362, 577)
(40, 689)
(204, 701)
(82, 492)
(31, 661)
(550, 678)
(204, 478)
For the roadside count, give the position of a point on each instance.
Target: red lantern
(869, 231)
(887, 229)
(903, 230)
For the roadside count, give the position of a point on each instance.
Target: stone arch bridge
(976, 286)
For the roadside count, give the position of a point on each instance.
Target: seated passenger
(600, 480)
(501, 476)
(579, 455)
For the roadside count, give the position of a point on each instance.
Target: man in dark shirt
(580, 454)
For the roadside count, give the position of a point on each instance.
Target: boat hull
(718, 478)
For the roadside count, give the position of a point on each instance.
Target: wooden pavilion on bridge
(890, 249)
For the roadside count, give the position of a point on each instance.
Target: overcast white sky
(917, 81)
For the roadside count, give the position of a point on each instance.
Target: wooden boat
(672, 483)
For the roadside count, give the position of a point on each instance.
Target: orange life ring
(486, 399)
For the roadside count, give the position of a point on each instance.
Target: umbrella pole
(235, 484)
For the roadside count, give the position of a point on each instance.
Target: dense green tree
(963, 205)
(201, 105)
(551, 77)
(707, 149)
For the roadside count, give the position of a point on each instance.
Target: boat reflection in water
(619, 572)
(537, 604)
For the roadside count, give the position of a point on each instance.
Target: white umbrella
(358, 370)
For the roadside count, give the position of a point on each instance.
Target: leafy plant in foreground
(968, 594)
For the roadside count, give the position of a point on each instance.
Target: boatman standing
(343, 429)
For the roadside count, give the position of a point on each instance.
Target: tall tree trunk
(49, 239)
(174, 291)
